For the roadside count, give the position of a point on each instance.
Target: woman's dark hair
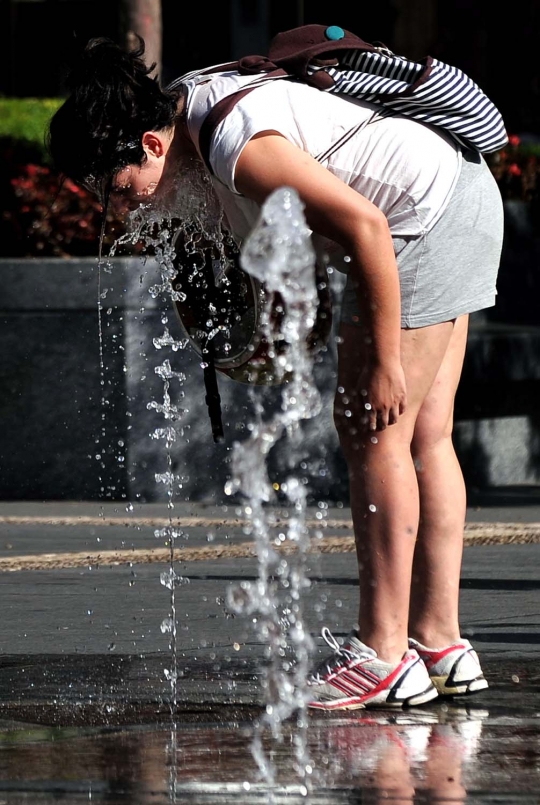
(112, 102)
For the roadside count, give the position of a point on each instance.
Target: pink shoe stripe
(343, 685)
(360, 677)
(337, 704)
(367, 674)
(358, 682)
(431, 658)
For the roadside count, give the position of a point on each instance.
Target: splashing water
(279, 253)
(192, 212)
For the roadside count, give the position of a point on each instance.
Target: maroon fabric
(289, 54)
(251, 65)
(293, 50)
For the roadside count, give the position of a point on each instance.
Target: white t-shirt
(407, 169)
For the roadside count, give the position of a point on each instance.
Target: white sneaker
(454, 670)
(354, 677)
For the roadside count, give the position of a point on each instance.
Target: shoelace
(341, 655)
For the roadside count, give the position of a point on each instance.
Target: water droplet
(170, 579)
(167, 625)
(372, 507)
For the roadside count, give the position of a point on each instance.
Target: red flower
(514, 169)
(513, 139)
(56, 217)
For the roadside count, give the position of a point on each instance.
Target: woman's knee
(433, 427)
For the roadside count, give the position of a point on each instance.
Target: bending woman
(419, 222)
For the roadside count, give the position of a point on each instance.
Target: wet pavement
(85, 710)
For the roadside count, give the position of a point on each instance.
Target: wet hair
(112, 102)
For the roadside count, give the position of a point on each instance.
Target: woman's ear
(154, 144)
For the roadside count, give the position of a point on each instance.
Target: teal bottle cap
(334, 32)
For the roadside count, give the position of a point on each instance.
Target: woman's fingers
(380, 419)
(382, 396)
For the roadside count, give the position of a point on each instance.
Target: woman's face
(135, 183)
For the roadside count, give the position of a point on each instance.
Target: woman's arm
(336, 211)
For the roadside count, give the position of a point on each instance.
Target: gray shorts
(452, 269)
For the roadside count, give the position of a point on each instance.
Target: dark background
(49, 381)
(496, 45)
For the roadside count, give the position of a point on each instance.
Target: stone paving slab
(85, 706)
(54, 535)
(120, 609)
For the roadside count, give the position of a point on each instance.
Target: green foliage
(26, 120)
(42, 213)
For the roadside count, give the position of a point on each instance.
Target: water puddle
(441, 754)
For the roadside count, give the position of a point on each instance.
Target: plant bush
(26, 120)
(42, 213)
(516, 169)
(54, 217)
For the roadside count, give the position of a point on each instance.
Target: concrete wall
(60, 409)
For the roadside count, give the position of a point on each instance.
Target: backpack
(332, 60)
(335, 60)
(219, 306)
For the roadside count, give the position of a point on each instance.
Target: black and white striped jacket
(432, 92)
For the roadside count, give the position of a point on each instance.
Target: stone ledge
(53, 284)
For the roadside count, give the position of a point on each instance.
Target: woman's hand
(382, 394)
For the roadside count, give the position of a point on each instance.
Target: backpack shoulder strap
(293, 50)
(220, 110)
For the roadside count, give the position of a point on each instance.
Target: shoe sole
(428, 695)
(419, 698)
(464, 689)
(336, 705)
(412, 701)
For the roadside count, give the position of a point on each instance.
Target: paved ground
(85, 706)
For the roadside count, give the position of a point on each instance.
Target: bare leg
(434, 616)
(385, 498)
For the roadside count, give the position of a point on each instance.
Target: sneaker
(454, 670)
(354, 677)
